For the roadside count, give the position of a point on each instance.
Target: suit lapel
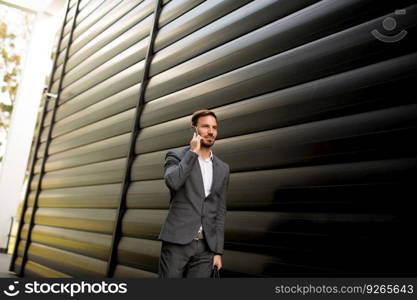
(199, 176)
(216, 173)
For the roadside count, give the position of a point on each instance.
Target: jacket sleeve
(176, 170)
(221, 216)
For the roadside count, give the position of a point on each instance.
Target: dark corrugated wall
(316, 120)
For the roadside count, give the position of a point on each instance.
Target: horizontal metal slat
(293, 182)
(97, 52)
(327, 141)
(151, 104)
(94, 220)
(103, 196)
(66, 262)
(111, 148)
(113, 66)
(112, 126)
(308, 24)
(123, 60)
(86, 8)
(82, 62)
(143, 254)
(267, 226)
(100, 173)
(315, 142)
(85, 243)
(355, 91)
(127, 31)
(285, 188)
(262, 15)
(125, 79)
(100, 20)
(195, 19)
(336, 94)
(70, 15)
(91, 94)
(224, 30)
(128, 272)
(117, 103)
(144, 259)
(86, 28)
(91, 18)
(336, 137)
(330, 55)
(33, 269)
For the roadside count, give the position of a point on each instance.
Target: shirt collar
(210, 158)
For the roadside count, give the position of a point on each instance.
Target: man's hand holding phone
(195, 142)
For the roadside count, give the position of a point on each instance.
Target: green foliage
(10, 72)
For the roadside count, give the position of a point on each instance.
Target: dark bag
(215, 273)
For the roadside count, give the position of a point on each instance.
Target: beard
(207, 145)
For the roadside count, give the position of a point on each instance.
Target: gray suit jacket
(189, 207)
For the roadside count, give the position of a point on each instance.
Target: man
(193, 233)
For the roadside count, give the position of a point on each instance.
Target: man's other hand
(217, 261)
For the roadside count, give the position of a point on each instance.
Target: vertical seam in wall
(111, 263)
(37, 144)
(49, 137)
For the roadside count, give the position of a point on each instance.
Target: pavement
(4, 266)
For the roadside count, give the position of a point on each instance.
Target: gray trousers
(194, 260)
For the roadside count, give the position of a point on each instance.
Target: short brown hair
(201, 113)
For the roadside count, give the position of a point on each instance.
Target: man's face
(207, 129)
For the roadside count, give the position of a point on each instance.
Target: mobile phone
(193, 130)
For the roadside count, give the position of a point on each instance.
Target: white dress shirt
(206, 166)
